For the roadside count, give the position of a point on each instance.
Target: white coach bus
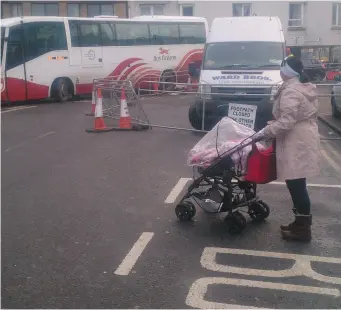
(43, 57)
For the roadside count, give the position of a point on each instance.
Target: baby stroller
(223, 185)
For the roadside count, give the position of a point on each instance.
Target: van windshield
(248, 55)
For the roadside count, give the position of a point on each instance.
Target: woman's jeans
(299, 195)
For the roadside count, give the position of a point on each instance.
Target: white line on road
(177, 190)
(198, 290)
(17, 109)
(25, 142)
(130, 260)
(310, 185)
(185, 180)
(45, 135)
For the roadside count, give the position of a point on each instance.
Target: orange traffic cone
(99, 124)
(93, 104)
(125, 118)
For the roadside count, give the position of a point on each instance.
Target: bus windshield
(2, 41)
(243, 55)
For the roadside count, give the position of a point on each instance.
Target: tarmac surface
(88, 221)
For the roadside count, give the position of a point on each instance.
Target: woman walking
(297, 142)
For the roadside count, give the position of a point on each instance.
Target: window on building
(163, 34)
(132, 34)
(187, 10)
(296, 14)
(100, 9)
(336, 14)
(151, 9)
(73, 10)
(241, 9)
(16, 9)
(45, 9)
(192, 33)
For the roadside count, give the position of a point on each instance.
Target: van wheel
(335, 112)
(196, 120)
(62, 90)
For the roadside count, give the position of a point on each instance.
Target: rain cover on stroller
(223, 137)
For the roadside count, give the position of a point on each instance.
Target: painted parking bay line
(177, 190)
(130, 260)
(173, 195)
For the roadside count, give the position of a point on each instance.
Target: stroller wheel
(259, 211)
(185, 211)
(235, 222)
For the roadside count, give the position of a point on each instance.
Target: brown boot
(300, 229)
(288, 227)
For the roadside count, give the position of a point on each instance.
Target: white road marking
(130, 260)
(177, 190)
(310, 185)
(301, 266)
(45, 135)
(17, 109)
(25, 142)
(196, 295)
(283, 183)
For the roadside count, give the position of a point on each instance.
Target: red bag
(261, 165)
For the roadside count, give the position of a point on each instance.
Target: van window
(230, 55)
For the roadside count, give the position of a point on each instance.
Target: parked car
(336, 97)
(315, 69)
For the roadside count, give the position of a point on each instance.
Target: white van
(240, 71)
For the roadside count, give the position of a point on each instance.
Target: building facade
(311, 25)
(64, 8)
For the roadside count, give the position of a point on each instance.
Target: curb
(335, 128)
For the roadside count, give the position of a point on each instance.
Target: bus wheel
(61, 90)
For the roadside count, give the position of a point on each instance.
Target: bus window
(164, 34)
(89, 34)
(108, 34)
(43, 37)
(132, 34)
(192, 33)
(2, 41)
(14, 56)
(74, 32)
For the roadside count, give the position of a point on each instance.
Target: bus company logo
(164, 55)
(90, 55)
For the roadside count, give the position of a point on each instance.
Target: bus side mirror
(193, 70)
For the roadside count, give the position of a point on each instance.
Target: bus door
(15, 86)
(91, 45)
(86, 46)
